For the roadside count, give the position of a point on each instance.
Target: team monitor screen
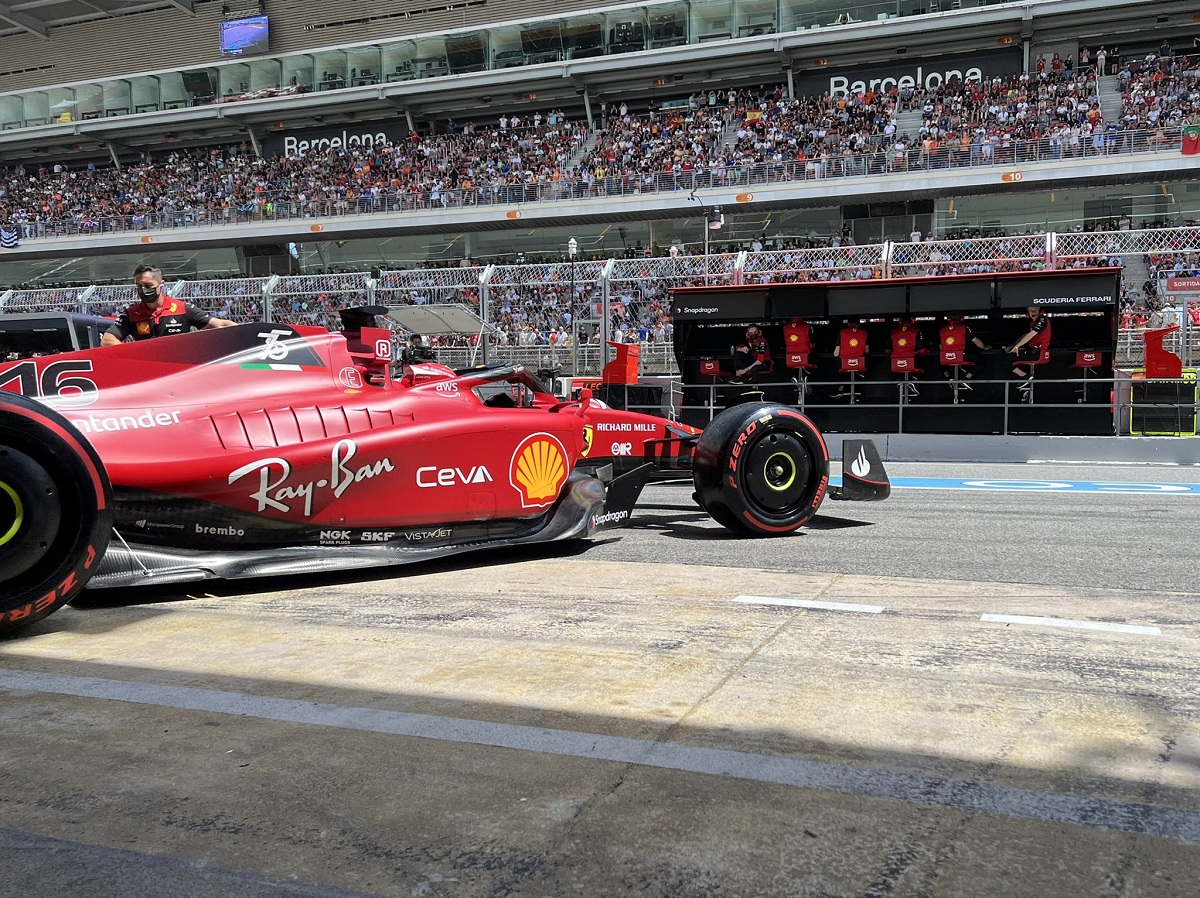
(244, 37)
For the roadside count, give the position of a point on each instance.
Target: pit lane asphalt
(604, 719)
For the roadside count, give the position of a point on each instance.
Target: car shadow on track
(182, 592)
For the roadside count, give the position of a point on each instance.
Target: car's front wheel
(761, 468)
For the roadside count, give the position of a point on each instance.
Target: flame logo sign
(538, 470)
(860, 467)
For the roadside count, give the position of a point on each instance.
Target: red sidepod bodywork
(272, 448)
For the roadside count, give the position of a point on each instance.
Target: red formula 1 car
(269, 449)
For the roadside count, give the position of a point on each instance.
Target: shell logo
(538, 469)
(793, 338)
(949, 341)
(854, 341)
(903, 341)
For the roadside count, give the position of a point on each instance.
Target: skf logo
(589, 433)
(622, 448)
(377, 536)
(538, 470)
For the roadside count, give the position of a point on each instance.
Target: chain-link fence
(533, 308)
(932, 258)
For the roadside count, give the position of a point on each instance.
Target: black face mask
(148, 294)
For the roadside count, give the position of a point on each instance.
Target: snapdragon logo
(688, 310)
(294, 146)
(901, 80)
(609, 517)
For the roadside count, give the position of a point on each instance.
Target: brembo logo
(902, 80)
(219, 531)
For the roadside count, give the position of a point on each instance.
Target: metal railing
(1098, 405)
(527, 302)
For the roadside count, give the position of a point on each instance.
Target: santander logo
(860, 467)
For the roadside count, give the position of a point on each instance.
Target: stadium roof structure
(766, 59)
(39, 16)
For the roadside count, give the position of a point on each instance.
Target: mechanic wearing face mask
(156, 314)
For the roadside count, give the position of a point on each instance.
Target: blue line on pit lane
(1043, 486)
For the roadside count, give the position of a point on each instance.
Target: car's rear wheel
(55, 511)
(761, 468)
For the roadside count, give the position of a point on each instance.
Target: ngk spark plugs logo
(538, 470)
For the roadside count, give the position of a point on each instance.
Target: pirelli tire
(55, 511)
(761, 469)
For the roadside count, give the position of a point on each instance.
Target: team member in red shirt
(156, 314)
(1033, 343)
(750, 357)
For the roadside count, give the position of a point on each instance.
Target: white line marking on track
(1067, 624)
(969, 795)
(805, 603)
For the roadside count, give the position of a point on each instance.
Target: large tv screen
(243, 37)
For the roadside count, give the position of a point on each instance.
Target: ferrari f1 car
(268, 449)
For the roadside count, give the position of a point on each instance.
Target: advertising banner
(719, 305)
(366, 134)
(901, 73)
(1085, 293)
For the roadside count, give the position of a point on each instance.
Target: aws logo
(538, 470)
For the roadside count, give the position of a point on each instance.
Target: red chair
(801, 363)
(906, 367)
(852, 354)
(1087, 361)
(1160, 361)
(1026, 386)
(956, 361)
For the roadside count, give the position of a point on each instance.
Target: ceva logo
(538, 470)
(433, 476)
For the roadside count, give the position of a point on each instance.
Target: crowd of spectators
(737, 137)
